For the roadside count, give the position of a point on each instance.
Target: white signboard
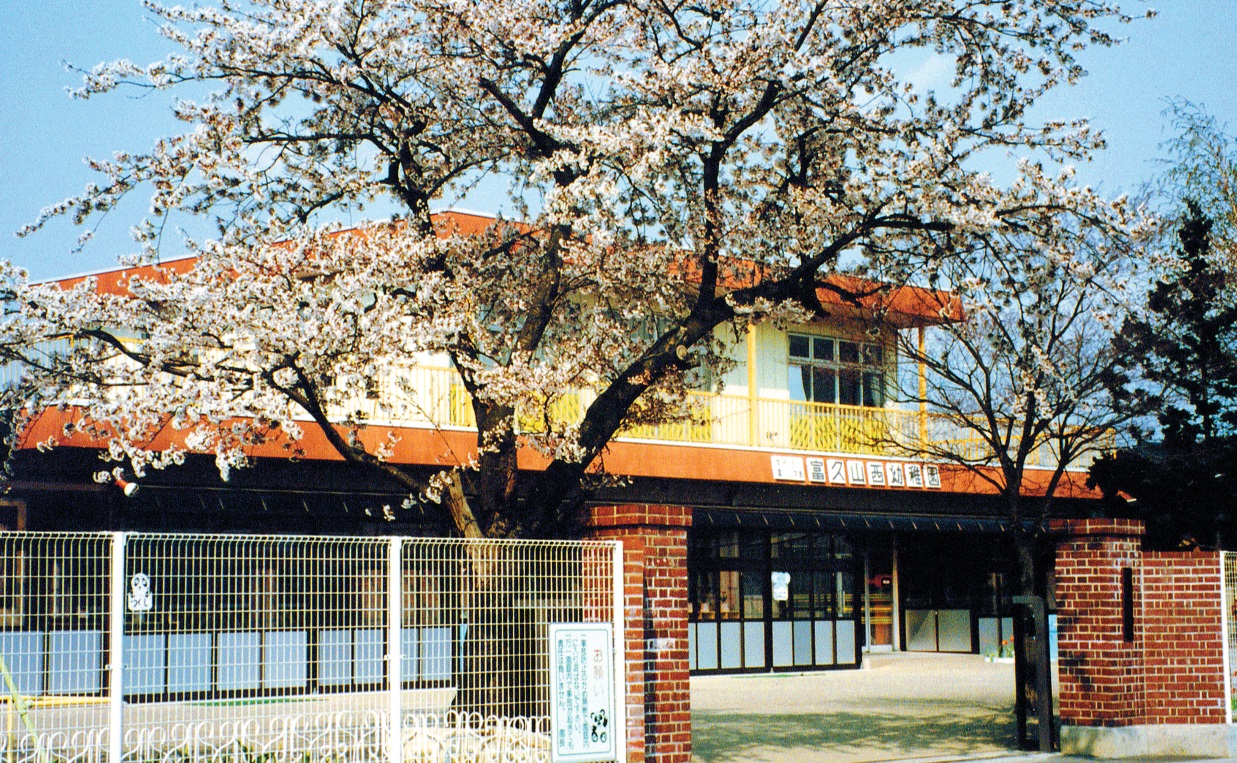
(932, 475)
(876, 473)
(837, 471)
(781, 586)
(897, 477)
(816, 470)
(914, 475)
(582, 719)
(788, 468)
(140, 598)
(856, 472)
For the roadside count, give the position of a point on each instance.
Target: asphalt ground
(899, 707)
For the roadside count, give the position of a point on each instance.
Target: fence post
(395, 657)
(619, 714)
(116, 651)
(1226, 599)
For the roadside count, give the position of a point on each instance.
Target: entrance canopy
(784, 520)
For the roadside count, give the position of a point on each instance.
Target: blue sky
(1187, 52)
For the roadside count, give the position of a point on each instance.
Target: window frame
(871, 361)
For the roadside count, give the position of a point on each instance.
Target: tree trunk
(1025, 553)
(498, 648)
(1032, 670)
(457, 504)
(506, 599)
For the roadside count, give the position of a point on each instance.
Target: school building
(809, 539)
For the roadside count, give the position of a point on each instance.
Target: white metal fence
(1228, 608)
(265, 649)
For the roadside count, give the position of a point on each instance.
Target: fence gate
(206, 648)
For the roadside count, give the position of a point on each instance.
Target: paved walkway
(913, 708)
(905, 706)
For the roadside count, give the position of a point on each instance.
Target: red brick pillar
(655, 567)
(1101, 662)
(1141, 643)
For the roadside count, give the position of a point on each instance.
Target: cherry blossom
(679, 171)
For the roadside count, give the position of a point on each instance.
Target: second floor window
(827, 370)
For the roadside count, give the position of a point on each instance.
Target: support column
(1102, 682)
(753, 396)
(116, 651)
(895, 608)
(395, 657)
(655, 609)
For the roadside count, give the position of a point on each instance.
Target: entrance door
(814, 618)
(953, 593)
(772, 601)
(728, 591)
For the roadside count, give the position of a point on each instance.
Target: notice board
(582, 706)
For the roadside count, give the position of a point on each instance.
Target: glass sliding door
(726, 593)
(764, 601)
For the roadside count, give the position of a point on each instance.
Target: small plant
(1004, 650)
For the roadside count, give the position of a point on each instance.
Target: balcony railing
(435, 396)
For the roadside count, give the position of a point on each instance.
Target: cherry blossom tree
(679, 170)
(1026, 381)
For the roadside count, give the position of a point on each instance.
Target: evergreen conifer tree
(1185, 350)
(1185, 347)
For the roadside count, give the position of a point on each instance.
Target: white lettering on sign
(582, 721)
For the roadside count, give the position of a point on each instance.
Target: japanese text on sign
(582, 692)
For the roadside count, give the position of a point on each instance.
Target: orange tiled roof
(847, 296)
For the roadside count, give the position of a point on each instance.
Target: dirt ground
(899, 706)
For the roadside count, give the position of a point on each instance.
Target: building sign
(914, 475)
(856, 472)
(781, 586)
(837, 471)
(897, 478)
(876, 473)
(841, 471)
(582, 719)
(788, 468)
(816, 470)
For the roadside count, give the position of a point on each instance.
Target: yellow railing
(435, 396)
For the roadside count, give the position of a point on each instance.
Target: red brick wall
(655, 606)
(1172, 671)
(1184, 640)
